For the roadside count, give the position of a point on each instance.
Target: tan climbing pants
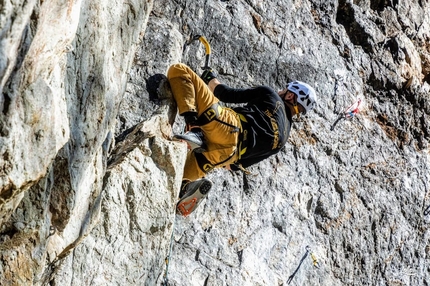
(192, 94)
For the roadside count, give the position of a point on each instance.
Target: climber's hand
(208, 75)
(190, 120)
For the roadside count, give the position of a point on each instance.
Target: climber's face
(290, 98)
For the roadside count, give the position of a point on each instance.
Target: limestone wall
(89, 177)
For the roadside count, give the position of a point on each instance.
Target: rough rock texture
(89, 177)
(64, 69)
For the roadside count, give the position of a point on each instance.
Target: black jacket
(269, 121)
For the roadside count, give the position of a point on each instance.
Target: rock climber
(234, 138)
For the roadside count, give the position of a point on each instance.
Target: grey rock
(89, 178)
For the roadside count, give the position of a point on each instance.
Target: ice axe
(205, 42)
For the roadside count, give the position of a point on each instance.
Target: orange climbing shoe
(191, 195)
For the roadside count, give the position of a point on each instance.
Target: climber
(234, 138)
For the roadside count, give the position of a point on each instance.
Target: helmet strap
(292, 102)
(296, 106)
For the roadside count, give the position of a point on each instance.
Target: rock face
(89, 177)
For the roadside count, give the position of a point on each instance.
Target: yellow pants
(192, 94)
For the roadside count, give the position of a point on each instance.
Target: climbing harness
(213, 113)
(349, 113)
(314, 261)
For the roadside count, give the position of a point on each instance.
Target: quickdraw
(353, 109)
(349, 113)
(314, 261)
(298, 267)
(427, 211)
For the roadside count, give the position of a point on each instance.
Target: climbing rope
(167, 260)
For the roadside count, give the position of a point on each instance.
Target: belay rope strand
(167, 260)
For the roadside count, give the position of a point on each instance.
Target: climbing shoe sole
(193, 197)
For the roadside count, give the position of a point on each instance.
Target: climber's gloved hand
(190, 120)
(208, 75)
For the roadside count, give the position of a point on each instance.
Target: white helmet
(306, 95)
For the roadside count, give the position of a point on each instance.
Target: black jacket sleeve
(240, 95)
